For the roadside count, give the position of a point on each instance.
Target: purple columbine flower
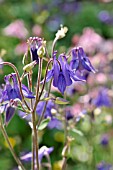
(61, 73)
(102, 99)
(43, 151)
(35, 43)
(10, 93)
(80, 61)
(54, 122)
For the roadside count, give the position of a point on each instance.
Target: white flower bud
(61, 33)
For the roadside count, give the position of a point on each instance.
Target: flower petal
(34, 55)
(10, 111)
(76, 77)
(74, 64)
(56, 73)
(27, 93)
(85, 61)
(61, 83)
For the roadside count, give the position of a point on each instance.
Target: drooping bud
(29, 66)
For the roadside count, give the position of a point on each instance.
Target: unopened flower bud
(41, 51)
(61, 33)
(29, 66)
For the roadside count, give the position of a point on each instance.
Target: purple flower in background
(54, 123)
(43, 151)
(102, 99)
(105, 17)
(104, 166)
(105, 140)
(49, 106)
(69, 114)
(70, 7)
(80, 61)
(54, 22)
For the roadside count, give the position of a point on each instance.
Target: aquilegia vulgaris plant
(38, 105)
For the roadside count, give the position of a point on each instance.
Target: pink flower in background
(37, 30)
(89, 40)
(16, 29)
(21, 48)
(106, 46)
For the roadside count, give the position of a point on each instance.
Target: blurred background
(90, 25)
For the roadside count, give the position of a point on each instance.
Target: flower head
(9, 94)
(80, 61)
(61, 73)
(102, 99)
(54, 122)
(35, 44)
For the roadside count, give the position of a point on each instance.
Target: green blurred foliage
(86, 151)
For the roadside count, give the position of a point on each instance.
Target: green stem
(53, 46)
(42, 115)
(9, 144)
(35, 140)
(47, 67)
(64, 163)
(34, 110)
(38, 84)
(29, 78)
(65, 140)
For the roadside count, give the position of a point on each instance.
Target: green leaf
(20, 108)
(45, 99)
(78, 132)
(44, 123)
(60, 100)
